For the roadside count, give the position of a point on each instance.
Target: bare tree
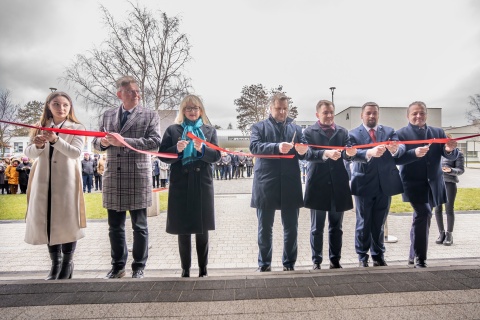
(148, 46)
(253, 106)
(8, 112)
(474, 113)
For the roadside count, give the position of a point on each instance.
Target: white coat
(68, 205)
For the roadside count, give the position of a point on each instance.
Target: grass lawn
(13, 207)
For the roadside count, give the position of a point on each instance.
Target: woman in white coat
(56, 207)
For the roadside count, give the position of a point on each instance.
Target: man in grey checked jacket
(127, 180)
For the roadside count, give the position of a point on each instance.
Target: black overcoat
(190, 198)
(326, 179)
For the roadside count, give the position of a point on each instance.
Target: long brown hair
(47, 114)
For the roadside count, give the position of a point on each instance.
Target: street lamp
(53, 89)
(332, 89)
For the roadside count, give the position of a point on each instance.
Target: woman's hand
(50, 136)
(181, 145)
(198, 145)
(39, 141)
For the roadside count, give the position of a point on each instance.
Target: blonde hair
(190, 100)
(47, 114)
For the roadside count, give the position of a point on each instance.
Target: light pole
(53, 89)
(332, 89)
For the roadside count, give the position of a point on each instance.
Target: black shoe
(185, 273)
(67, 267)
(363, 264)
(202, 272)
(138, 274)
(264, 269)
(335, 264)
(420, 264)
(316, 266)
(115, 273)
(448, 239)
(441, 238)
(56, 258)
(380, 263)
(288, 269)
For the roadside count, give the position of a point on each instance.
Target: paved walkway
(450, 289)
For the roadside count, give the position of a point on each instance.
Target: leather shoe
(335, 264)
(316, 266)
(185, 273)
(420, 264)
(441, 238)
(115, 274)
(137, 274)
(264, 269)
(448, 239)
(363, 264)
(288, 269)
(380, 263)
(202, 272)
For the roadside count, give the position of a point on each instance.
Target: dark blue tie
(124, 118)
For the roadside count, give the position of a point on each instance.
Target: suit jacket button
(197, 169)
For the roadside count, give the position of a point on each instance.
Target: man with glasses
(127, 180)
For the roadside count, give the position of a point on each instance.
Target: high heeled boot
(441, 238)
(56, 258)
(67, 267)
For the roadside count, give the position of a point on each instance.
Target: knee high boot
(67, 267)
(56, 258)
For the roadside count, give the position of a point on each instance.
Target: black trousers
(185, 248)
(422, 217)
(449, 208)
(118, 244)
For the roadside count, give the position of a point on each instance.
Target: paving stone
(112, 286)
(470, 273)
(473, 283)
(168, 296)
(300, 292)
(88, 297)
(235, 284)
(377, 277)
(117, 297)
(163, 285)
(93, 287)
(146, 296)
(423, 285)
(183, 286)
(66, 298)
(368, 288)
(246, 294)
(280, 282)
(210, 285)
(11, 300)
(342, 289)
(322, 291)
(398, 286)
(448, 284)
(322, 280)
(195, 296)
(305, 282)
(255, 283)
(448, 274)
(401, 276)
(137, 286)
(347, 279)
(223, 295)
(273, 293)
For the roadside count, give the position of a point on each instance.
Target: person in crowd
(101, 169)
(451, 170)
(3, 186)
(163, 174)
(276, 183)
(156, 172)
(191, 198)
(96, 176)
(227, 166)
(235, 164)
(56, 207)
(24, 171)
(327, 188)
(374, 180)
(13, 175)
(422, 176)
(87, 172)
(218, 169)
(241, 164)
(302, 163)
(127, 180)
(249, 165)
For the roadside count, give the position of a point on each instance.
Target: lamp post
(53, 89)
(332, 89)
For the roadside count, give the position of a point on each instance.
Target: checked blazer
(127, 180)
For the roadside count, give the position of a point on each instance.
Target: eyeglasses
(132, 92)
(194, 109)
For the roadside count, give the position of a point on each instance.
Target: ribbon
(97, 134)
(211, 145)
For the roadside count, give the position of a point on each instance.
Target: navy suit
(423, 182)
(373, 183)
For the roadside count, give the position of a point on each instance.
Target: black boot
(441, 238)
(202, 272)
(448, 239)
(56, 258)
(67, 267)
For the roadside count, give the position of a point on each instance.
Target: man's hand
(112, 141)
(104, 142)
(301, 148)
(181, 145)
(332, 154)
(421, 151)
(450, 145)
(446, 169)
(376, 152)
(351, 151)
(285, 147)
(392, 147)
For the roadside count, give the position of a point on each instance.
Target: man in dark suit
(422, 176)
(375, 178)
(327, 189)
(127, 180)
(276, 183)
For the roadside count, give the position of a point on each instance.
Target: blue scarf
(189, 153)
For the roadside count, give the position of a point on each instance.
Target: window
(18, 147)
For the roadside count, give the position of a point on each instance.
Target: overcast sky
(390, 52)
